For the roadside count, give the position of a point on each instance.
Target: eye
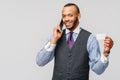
(63, 16)
(70, 15)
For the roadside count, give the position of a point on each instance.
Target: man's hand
(108, 44)
(57, 33)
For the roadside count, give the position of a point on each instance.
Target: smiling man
(75, 50)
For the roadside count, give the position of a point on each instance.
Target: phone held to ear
(61, 24)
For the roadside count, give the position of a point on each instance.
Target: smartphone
(61, 24)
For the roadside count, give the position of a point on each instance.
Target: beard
(75, 22)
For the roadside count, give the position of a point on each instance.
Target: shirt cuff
(50, 47)
(104, 59)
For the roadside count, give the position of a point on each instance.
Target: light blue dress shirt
(97, 61)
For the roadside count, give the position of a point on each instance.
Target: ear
(79, 16)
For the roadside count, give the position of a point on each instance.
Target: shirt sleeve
(49, 47)
(98, 63)
(104, 59)
(46, 54)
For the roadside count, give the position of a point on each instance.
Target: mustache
(75, 21)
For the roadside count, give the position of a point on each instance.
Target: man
(73, 62)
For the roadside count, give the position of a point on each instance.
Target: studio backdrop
(25, 25)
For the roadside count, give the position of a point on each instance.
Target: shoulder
(86, 31)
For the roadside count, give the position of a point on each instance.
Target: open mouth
(68, 24)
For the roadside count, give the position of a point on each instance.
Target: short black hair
(72, 4)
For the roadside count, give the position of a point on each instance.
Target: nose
(66, 18)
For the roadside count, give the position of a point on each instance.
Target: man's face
(70, 17)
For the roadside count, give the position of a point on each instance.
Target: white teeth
(67, 23)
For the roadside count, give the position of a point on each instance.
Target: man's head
(71, 16)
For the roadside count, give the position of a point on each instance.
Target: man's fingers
(108, 42)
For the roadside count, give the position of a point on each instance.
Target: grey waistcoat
(72, 64)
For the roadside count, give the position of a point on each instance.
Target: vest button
(69, 55)
(68, 73)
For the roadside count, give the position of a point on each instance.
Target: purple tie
(70, 40)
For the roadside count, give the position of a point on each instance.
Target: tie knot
(71, 33)
(70, 36)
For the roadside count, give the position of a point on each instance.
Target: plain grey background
(26, 24)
